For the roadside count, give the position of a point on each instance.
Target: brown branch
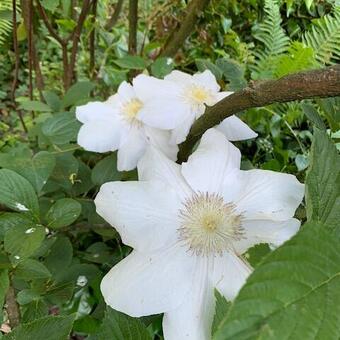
(12, 307)
(133, 22)
(178, 36)
(75, 41)
(43, 15)
(115, 16)
(92, 40)
(298, 86)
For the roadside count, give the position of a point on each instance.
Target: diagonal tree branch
(177, 37)
(133, 23)
(298, 86)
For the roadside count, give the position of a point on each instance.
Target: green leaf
(161, 67)
(31, 269)
(77, 93)
(63, 213)
(221, 308)
(131, 62)
(331, 109)
(62, 128)
(203, 64)
(36, 170)
(50, 5)
(11, 220)
(34, 105)
(49, 327)
(119, 326)
(60, 256)
(17, 193)
(27, 296)
(52, 99)
(233, 72)
(312, 114)
(323, 182)
(4, 285)
(106, 170)
(23, 240)
(294, 293)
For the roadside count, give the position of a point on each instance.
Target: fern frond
(324, 38)
(5, 19)
(274, 41)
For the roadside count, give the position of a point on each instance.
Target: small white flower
(115, 125)
(189, 225)
(177, 101)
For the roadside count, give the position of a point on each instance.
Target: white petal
(100, 136)
(207, 79)
(155, 166)
(145, 284)
(214, 159)
(229, 274)
(221, 95)
(131, 150)
(264, 194)
(126, 92)
(192, 320)
(144, 213)
(180, 133)
(179, 77)
(234, 129)
(95, 111)
(266, 231)
(161, 140)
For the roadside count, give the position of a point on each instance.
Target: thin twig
(133, 22)
(115, 16)
(92, 40)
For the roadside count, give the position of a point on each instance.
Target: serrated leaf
(31, 269)
(49, 327)
(312, 114)
(77, 93)
(323, 182)
(63, 213)
(62, 128)
(23, 240)
(119, 326)
(106, 170)
(233, 72)
(52, 100)
(294, 293)
(17, 193)
(221, 308)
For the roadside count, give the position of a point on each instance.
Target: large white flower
(114, 125)
(177, 101)
(189, 225)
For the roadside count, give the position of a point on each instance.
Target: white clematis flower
(177, 101)
(189, 225)
(114, 125)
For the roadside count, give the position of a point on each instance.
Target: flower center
(209, 225)
(131, 109)
(198, 94)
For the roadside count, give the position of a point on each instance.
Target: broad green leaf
(50, 5)
(52, 100)
(119, 326)
(60, 256)
(36, 169)
(77, 93)
(233, 72)
(34, 105)
(23, 240)
(17, 193)
(83, 182)
(63, 213)
(294, 293)
(313, 115)
(62, 128)
(131, 62)
(31, 269)
(106, 170)
(323, 182)
(4, 285)
(221, 308)
(49, 327)
(27, 296)
(203, 64)
(162, 66)
(10, 220)
(331, 109)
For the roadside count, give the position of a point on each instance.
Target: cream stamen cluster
(130, 111)
(209, 225)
